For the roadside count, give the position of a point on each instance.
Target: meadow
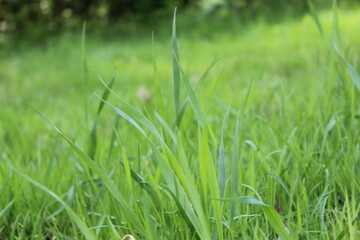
(237, 132)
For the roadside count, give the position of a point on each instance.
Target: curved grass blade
(167, 171)
(198, 84)
(242, 200)
(113, 136)
(81, 224)
(168, 164)
(350, 69)
(316, 19)
(166, 127)
(113, 230)
(192, 97)
(106, 92)
(271, 215)
(206, 73)
(112, 188)
(6, 208)
(355, 77)
(181, 209)
(93, 134)
(178, 120)
(146, 186)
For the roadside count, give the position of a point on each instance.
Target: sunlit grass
(264, 143)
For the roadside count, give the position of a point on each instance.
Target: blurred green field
(298, 146)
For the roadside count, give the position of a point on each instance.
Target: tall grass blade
(192, 97)
(222, 157)
(139, 117)
(113, 136)
(85, 72)
(106, 92)
(93, 135)
(159, 95)
(178, 120)
(235, 165)
(163, 163)
(316, 19)
(206, 73)
(166, 127)
(197, 85)
(176, 70)
(354, 76)
(181, 184)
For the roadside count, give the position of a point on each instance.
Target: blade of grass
(159, 96)
(175, 65)
(113, 229)
(6, 208)
(271, 215)
(93, 134)
(222, 156)
(235, 165)
(106, 92)
(182, 110)
(81, 224)
(181, 208)
(354, 76)
(235, 151)
(211, 179)
(87, 161)
(178, 120)
(113, 136)
(163, 161)
(316, 19)
(168, 164)
(166, 127)
(85, 72)
(146, 186)
(206, 73)
(191, 94)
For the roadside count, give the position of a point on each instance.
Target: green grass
(264, 143)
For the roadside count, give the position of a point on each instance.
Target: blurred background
(34, 18)
(43, 61)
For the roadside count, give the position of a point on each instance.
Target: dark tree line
(18, 14)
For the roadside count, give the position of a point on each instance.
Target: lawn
(264, 144)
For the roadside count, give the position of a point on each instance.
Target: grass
(264, 143)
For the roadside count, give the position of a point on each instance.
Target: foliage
(51, 14)
(281, 159)
(23, 15)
